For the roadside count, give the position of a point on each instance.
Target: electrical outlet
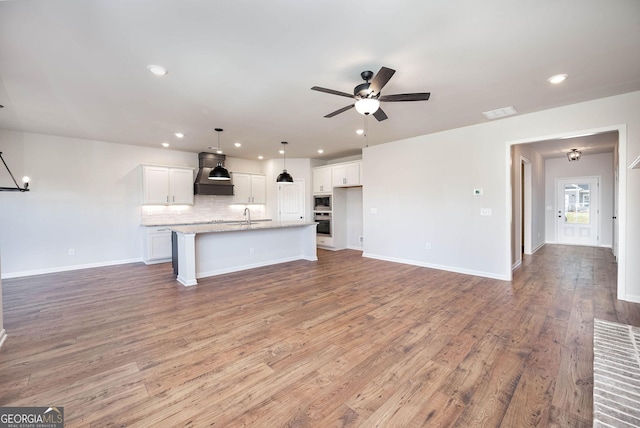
(251, 250)
(427, 245)
(361, 239)
(485, 211)
(72, 252)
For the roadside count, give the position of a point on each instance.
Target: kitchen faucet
(247, 214)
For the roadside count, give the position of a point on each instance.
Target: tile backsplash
(206, 208)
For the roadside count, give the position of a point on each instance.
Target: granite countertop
(237, 226)
(189, 223)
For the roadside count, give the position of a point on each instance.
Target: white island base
(214, 249)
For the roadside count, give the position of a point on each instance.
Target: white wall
(600, 165)
(354, 217)
(428, 198)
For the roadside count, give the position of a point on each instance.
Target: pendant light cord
(366, 131)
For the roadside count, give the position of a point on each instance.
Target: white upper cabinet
(181, 186)
(167, 186)
(322, 180)
(347, 174)
(249, 188)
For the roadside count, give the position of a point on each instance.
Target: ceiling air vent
(499, 113)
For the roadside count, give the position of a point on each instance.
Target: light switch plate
(485, 211)
(478, 192)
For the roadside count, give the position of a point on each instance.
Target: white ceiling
(77, 68)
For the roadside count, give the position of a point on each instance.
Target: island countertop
(237, 227)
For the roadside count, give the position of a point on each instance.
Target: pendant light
(285, 177)
(219, 173)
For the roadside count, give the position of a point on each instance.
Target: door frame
(622, 201)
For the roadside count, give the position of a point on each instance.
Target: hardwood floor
(341, 342)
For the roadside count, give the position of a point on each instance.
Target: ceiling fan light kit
(368, 96)
(367, 106)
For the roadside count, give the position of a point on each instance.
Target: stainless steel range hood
(204, 186)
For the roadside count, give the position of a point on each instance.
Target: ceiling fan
(368, 97)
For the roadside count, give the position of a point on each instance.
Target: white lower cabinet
(324, 241)
(157, 245)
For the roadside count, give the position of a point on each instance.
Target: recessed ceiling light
(165, 144)
(281, 152)
(238, 144)
(179, 134)
(158, 70)
(260, 157)
(219, 151)
(558, 78)
(320, 151)
(359, 131)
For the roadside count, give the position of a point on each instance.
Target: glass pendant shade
(367, 106)
(219, 173)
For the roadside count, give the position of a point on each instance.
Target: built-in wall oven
(323, 220)
(322, 203)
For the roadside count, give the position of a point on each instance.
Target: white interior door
(291, 201)
(577, 211)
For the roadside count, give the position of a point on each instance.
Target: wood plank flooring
(342, 342)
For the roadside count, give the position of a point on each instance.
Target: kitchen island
(205, 250)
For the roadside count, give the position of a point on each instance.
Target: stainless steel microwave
(322, 203)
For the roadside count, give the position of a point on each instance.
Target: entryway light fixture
(285, 177)
(25, 180)
(574, 155)
(219, 173)
(367, 106)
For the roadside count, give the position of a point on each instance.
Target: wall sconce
(25, 180)
(574, 155)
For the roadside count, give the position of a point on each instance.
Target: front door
(577, 211)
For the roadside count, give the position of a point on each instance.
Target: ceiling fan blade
(342, 110)
(380, 79)
(418, 96)
(380, 115)
(331, 91)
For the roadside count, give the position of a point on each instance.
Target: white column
(187, 258)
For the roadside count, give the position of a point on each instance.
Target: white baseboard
(439, 267)
(68, 268)
(3, 336)
(537, 248)
(631, 298)
(516, 265)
